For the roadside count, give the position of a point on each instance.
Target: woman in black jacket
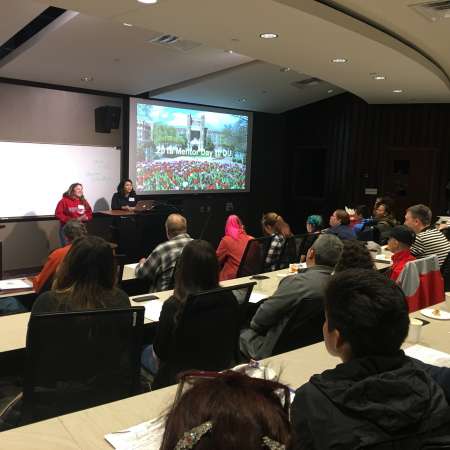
(125, 197)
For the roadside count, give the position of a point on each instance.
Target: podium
(137, 234)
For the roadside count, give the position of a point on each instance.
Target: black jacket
(365, 402)
(118, 200)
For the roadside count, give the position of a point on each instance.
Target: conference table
(86, 429)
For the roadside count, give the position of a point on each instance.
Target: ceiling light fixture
(126, 24)
(397, 91)
(87, 78)
(285, 69)
(148, 2)
(339, 60)
(229, 51)
(330, 91)
(268, 35)
(379, 77)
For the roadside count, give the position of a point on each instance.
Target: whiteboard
(33, 177)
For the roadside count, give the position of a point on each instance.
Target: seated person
(271, 317)
(125, 197)
(385, 221)
(229, 411)
(377, 393)
(361, 217)
(197, 271)
(340, 225)
(231, 248)
(72, 230)
(160, 264)
(85, 280)
(429, 240)
(274, 225)
(355, 255)
(314, 224)
(401, 238)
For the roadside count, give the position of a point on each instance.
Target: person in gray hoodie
(271, 317)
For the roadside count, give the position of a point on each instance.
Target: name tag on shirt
(131, 199)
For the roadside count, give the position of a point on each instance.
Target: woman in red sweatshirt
(73, 205)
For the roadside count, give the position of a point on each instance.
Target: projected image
(181, 149)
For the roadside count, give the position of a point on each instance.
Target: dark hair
(343, 216)
(87, 273)
(369, 310)
(387, 209)
(421, 212)
(363, 211)
(355, 255)
(387, 202)
(197, 270)
(274, 220)
(242, 411)
(74, 229)
(69, 192)
(121, 187)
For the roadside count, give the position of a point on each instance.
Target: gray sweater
(272, 316)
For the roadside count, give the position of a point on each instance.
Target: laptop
(144, 205)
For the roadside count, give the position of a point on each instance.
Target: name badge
(81, 209)
(131, 199)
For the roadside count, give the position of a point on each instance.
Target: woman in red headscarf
(231, 248)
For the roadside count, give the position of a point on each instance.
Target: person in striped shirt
(429, 240)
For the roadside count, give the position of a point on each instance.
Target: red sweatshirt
(69, 208)
(399, 261)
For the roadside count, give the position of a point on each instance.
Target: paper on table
(146, 435)
(256, 297)
(428, 355)
(153, 309)
(16, 283)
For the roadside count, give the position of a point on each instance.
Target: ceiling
(384, 37)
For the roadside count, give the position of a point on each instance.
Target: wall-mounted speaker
(107, 118)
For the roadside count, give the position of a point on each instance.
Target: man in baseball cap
(400, 240)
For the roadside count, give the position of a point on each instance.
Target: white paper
(16, 283)
(146, 435)
(428, 355)
(256, 297)
(153, 309)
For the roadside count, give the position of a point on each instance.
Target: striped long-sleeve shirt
(431, 241)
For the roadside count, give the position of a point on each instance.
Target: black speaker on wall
(107, 118)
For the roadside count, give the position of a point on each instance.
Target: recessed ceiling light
(397, 91)
(229, 51)
(330, 91)
(285, 69)
(379, 77)
(87, 78)
(243, 100)
(268, 35)
(126, 24)
(148, 2)
(339, 60)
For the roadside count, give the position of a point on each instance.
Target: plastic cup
(415, 328)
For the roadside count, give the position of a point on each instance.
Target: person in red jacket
(73, 205)
(401, 238)
(72, 229)
(231, 248)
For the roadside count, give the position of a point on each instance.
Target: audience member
(385, 221)
(72, 230)
(399, 243)
(160, 264)
(232, 247)
(355, 255)
(314, 224)
(429, 240)
(340, 225)
(377, 393)
(272, 316)
(360, 219)
(85, 280)
(229, 411)
(274, 225)
(197, 270)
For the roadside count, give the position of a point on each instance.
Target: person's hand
(126, 208)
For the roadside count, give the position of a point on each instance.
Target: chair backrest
(304, 326)
(422, 283)
(369, 233)
(80, 359)
(254, 257)
(291, 251)
(120, 261)
(445, 271)
(206, 335)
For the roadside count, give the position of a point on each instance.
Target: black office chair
(291, 251)
(80, 359)
(254, 257)
(206, 336)
(304, 326)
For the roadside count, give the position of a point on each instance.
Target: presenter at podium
(125, 197)
(73, 205)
